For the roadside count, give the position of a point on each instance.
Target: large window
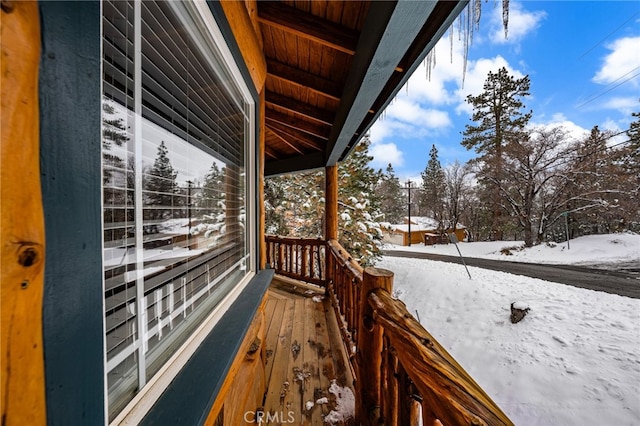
(177, 138)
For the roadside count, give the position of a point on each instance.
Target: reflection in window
(174, 190)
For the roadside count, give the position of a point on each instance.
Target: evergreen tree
(499, 121)
(161, 187)
(117, 192)
(433, 189)
(275, 205)
(211, 204)
(297, 200)
(359, 206)
(392, 202)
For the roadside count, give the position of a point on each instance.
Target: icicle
(477, 12)
(465, 56)
(451, 43)
(434, 57)
(505, 16)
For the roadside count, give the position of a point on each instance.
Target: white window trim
(133, 413)
(140, 405)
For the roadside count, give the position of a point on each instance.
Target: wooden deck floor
(304, 356)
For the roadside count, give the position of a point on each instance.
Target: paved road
(616, 282)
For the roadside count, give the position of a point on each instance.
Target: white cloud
(380, 130)
(476, 75)
(622, 64)
(385, 153)
(574, 131)
(521, 23)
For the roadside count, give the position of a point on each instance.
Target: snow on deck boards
(302, 357)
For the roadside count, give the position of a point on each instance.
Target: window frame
(206, 30)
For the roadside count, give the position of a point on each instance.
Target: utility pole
(189, 183)
(408, 188)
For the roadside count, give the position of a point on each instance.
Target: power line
(610, 89)
(608, 35)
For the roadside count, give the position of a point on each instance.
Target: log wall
(22, 232)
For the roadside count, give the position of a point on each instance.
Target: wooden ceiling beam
(313, 82)
(286, 141)
(297, 107)
(294, 164)
(320, 130)
(305, 25)
(269, 152)
(313, 142)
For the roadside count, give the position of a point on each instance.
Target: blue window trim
(70, 123)
(70, 136)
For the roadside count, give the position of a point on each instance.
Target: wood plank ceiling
(332, 66)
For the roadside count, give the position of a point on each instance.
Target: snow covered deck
(308, 375)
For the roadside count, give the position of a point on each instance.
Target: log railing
(403, 375)
(303, 259)
(344, 281)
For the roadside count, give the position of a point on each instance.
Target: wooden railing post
(331, 203)
(369, 344)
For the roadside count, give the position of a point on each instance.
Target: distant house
(423, 230)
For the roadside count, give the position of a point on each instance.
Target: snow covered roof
(429, 222)
(405, 227)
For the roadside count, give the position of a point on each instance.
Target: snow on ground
(573, 360)
(589, 249)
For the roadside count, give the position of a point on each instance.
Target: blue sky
(582, 57)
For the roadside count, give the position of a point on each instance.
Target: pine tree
(211, 204)
(117, 194)
(392, 202)
(275, 205)
(499, 121)
(359, 206)
(161, 186)
(433, 189)
(297, 200)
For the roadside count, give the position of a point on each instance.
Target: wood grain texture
(370, 345)
(245, 30)
(22, 239)
(449, 393)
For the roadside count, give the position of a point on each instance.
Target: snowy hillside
(573, 360)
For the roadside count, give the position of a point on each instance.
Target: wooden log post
(331, 203)
(22, 245)
(369, 349)
(409, 411)
(392, 406)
